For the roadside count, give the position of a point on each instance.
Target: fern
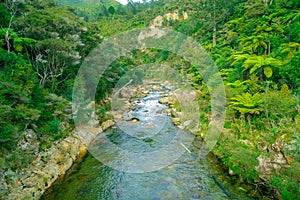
(247, 103)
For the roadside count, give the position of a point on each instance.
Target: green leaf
(268, 72)
(246, 103)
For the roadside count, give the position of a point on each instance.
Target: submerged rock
(150, 126)
(148, 140)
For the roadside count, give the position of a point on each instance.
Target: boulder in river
(135, 120)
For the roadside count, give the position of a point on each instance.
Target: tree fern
(247, 103)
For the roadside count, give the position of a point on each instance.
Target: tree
(214, 24)
(111, 10)
(50, 58)
(247, 104)
(254, 63)
(290, 57)
(11, 8)
(268, 2)
(254, 44)
(211, 15)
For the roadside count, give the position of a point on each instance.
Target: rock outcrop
(268, 166)
(32, 181)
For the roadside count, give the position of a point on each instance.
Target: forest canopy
(254, 43)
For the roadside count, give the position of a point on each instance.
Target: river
(191, 176)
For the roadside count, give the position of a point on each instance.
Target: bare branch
(10, 5)
(49, 67)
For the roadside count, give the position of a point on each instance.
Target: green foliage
(286, 184)
(247, 103)
(254, 44)
(278, 105)
(102, 114)
(51, 129)
(17, 113)
(111, 10)
(18, 160)
(255, 63)
(90, 10)
(4, 15)
(289, 72)
(239, 157)
(263, 43)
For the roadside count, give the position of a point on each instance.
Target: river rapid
(146, 128)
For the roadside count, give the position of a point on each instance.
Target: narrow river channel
(191, 176)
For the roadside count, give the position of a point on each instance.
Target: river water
(191, 176)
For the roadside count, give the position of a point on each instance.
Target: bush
(51, 129)
(239, 157)
(286, 184)
(278, 105)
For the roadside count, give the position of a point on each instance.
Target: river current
(191, 176)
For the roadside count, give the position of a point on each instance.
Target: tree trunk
(247, 74)
(269, 46)
(215, 26)
(10, 5)
(120, 90)
(261, 75)
(249, 122)
(7, 41)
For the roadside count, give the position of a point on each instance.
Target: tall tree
(12, 9)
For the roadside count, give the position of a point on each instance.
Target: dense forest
(254, 43)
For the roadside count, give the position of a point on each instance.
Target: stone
(176, 121)
(164, 100)
(150, 126)
(175, 113)
(135, 120)
(159, 112)
(268, 165)
(169, 112)
(128, 117)
(46, 168)
(230, 172)
(126, 92)
(155, 88)
(107, 124)
(29, 142)
(187, 123)
(181, 127)
(145, 92)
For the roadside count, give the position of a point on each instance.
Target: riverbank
(49, 165)
(257, 158)
(46, 168)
